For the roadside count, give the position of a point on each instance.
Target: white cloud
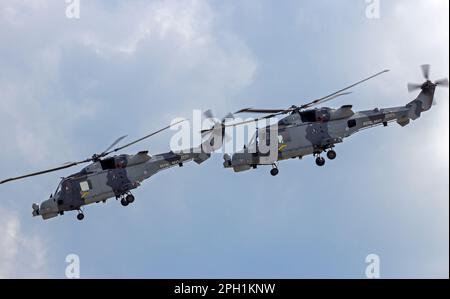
(127, 66)
(60, 73)
(68, 86)
(21, 254)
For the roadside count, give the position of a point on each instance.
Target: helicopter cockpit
(326, 114)
(253, 141)
(315, 115)
(64, 186)
(57, 191)
(114, 162)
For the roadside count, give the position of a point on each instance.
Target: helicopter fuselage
(112, 177)
(311, 132)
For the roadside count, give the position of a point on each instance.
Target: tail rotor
(427, 84)
(218, 128)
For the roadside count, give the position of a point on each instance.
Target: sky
(69, 87)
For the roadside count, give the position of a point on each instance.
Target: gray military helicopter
(305, 131)
(108, 177)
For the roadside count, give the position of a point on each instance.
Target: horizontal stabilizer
(202, 157)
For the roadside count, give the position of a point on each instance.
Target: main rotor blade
(113, 144)
(276, 112)
(42, 172)
(105, 153)
(242, 122)
(325, 100)
(145, 137)
(229, 115)
(251, 110)
(426, 71)
(320, 100)
(253, 120)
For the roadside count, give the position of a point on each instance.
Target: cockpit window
(308, 116)
(351, 123)
(57, 188)
(108, 163)
(251, 146)
(114, 162)
(121, 162)
(66, 186)
(253, 140)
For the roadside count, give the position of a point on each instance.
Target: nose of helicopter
(35, 207)
(227, 161)
(47, 209)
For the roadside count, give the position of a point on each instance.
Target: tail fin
(212, 143)
(202, 157)
(425, 99)
(423, 102)
(213, 139)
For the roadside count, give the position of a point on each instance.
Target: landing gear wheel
(331, 154)
(80, 216)
(274, 171)
(129, 198)
(320, 161)
(124, 202)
